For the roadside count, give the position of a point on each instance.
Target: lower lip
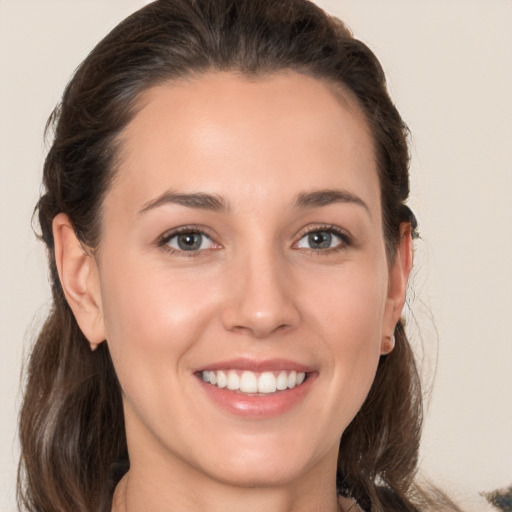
(258, 406)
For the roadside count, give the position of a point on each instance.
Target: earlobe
(79, 278)
(398, 278)
(387, 345)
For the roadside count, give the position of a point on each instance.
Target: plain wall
(449, 70)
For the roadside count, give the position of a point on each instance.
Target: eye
(323, 239)
(188, 241)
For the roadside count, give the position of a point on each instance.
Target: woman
(229, 245)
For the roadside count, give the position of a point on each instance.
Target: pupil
(320, 240)
(189, 241)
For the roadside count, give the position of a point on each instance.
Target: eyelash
(164, 240)
(344, 236)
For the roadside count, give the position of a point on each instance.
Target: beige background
(449, 69)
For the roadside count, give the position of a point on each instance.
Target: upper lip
(257, 366)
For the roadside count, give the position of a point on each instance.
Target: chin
(250, 475)
(267, 464)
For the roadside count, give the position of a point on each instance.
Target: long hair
(71, 422)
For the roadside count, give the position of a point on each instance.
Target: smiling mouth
(253, 383)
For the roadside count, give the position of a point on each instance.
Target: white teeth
(267, 383)
(233, 380)
(282, 381)
(222, 380)
(250, 382)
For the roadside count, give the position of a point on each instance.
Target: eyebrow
(198, 200)
(326, 197)
(213, 202)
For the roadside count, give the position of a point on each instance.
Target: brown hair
(71, 423)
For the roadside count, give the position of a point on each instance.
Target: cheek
(153, 320)
(349, 305)
(349, 314)
(152, 316)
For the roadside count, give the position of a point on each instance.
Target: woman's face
(242, 245)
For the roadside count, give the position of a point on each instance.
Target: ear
(79, 278)
(397, 287)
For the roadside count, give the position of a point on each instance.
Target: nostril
(245, 317)
(261, 329)
(262, 302)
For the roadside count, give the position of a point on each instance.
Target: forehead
(230, 135)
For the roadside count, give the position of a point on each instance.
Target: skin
(255, 289)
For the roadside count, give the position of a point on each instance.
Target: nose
(261, 301)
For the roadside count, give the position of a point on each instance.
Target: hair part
(71, 422)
